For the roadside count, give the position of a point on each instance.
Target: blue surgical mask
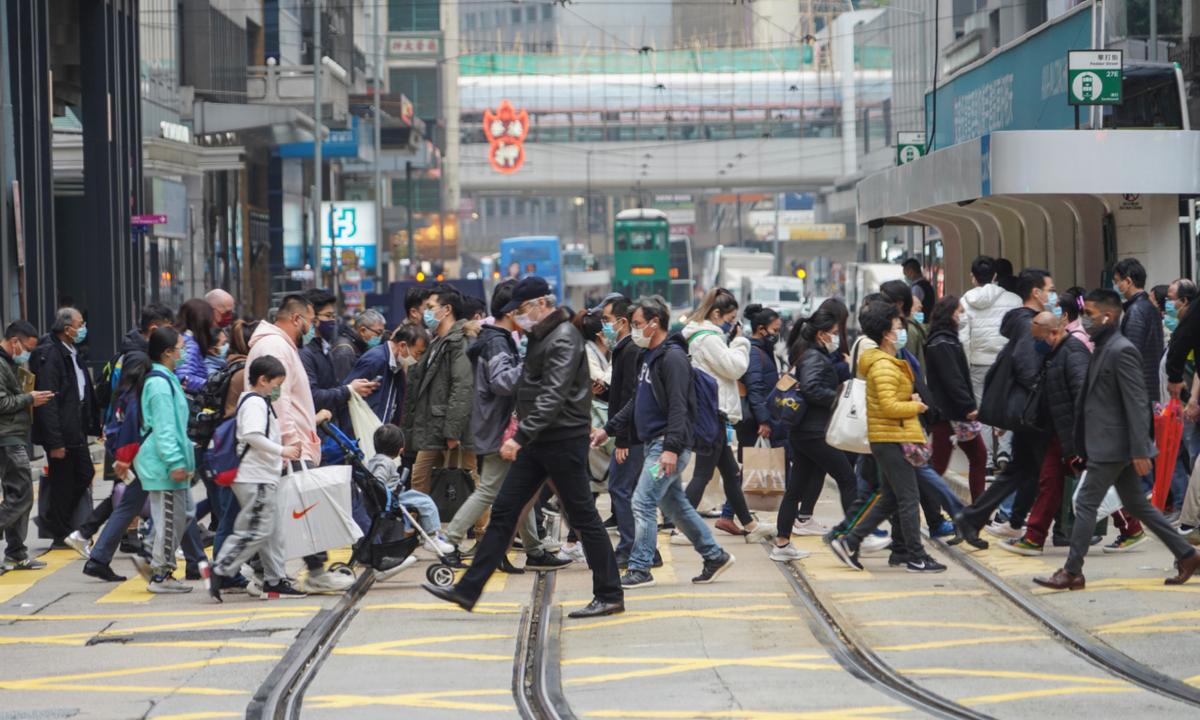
(374, 342)
(901, 338)
(1042, 347)
(22, 359)
(430, 319)
(1057, 310)
(1170, 322)
(223, 352)
(610, 333)
(919, 318)
(81, 335)
(1052, 301)
(1172, 310)
(726, 327)
(309, 334)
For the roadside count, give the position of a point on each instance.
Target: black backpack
(207, 407)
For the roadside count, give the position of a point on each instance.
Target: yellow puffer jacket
(891, 412)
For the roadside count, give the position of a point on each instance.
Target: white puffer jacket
(983, 309)
(727, 363)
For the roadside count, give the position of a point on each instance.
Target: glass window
(470, 22)
(515, 16)
(531, 13)
(489, 207)
(505, 207)
(413, 15)
(421, 86)
(547, 11)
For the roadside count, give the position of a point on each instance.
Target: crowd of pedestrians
(1052, 399)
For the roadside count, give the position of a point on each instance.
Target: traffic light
(799, 270)
(420, 276)
(801, 273)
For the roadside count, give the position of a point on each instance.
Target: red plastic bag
(1168, 434)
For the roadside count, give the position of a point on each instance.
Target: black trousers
(812, 460)
(1021, 477)
(562, 463)
(70, 477)
(731, 478)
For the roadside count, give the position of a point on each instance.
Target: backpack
(222, 458)
(123, 434)
(207, 407)
(709, 429)
(785, 402)
(106, 386)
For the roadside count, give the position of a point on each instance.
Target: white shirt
(258, 430)
(80, 377)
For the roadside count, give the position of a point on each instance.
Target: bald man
(222, 304)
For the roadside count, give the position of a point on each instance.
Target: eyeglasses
(327, 315)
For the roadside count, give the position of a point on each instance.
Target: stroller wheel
(342, 568)
(440, 575)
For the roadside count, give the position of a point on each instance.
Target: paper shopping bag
(315, 510)
(764, 469)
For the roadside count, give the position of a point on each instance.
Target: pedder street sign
(1094, 77)
(909, 146)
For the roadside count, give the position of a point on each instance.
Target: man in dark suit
(1112, 424)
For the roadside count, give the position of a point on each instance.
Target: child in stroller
(389, 446)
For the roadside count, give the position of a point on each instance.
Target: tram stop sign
(1094, 77)
(909, 146)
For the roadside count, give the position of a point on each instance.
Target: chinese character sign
(506, 130)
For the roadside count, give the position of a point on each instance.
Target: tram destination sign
(909, 146)
(1094, 77)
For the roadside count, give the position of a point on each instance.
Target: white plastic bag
(314, 507)
(365, 422)
(1108, 506)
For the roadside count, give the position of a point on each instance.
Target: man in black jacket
(353, 340)
(661, 414)
(1067, 360)
(1112, 430)
(627, 458)
(328, 392)
(554, 408)
(1141, 321)
(1038, 295)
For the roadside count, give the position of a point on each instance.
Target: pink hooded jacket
(295, 409)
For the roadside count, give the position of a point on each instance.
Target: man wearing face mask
(392, 361)
(294, 324)
(368, 331)
(1002, 407)
(62, 426)
(922, 289)
(554, 399)
(327, 392)
(1112, 425)
(20, 338)
(1140, 320)
(437, 406)
(222, 304)
(627, 455)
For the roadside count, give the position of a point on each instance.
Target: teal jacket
(166, 446)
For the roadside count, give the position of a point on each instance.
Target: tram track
(855, 655)
(1078, 641)
(537, 669)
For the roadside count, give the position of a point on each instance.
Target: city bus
(533, 255)
(641, 253)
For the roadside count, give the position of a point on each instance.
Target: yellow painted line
(15, 582)
(605, 660)
(1193, 681)
(675, 668)
(934, 625)
(36, 683)
(264, 609)
(494, 608)
(1151, 630)
(434, 655)
(666, 574)
(1010, 675)
(442, 700)
(1044, 693)
(860, 713)
(748, 612)
(1132, 584)
(1006, 564)
(865, 597)
(1154, 619)
(416, 642)
(199, 716)
(157, 690)
(639, 598)
(822, 565)
(80, 638)
(215, 645)
(131, 592)
(960, 642)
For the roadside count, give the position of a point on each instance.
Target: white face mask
(834, 343)
(407, 361)
(640, 337)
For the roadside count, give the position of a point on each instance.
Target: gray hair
(369, 317)
(653, 307)
(1186, 287)
(551, 301)
(63, 319)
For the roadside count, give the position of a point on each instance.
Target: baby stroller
(386, 543)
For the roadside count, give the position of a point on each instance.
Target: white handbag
(848, 423)
(365, 423)
(1109, 505)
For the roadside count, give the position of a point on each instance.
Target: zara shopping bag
(315, 510)
(764, 469)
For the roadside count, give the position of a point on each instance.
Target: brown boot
(729, 526)
(1061, 580)
(1187, 567)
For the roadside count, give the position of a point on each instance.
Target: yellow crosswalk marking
(15, 582)
(132, 591)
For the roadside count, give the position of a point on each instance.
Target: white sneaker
(323, 581)
(167, 586)
(760, 533)
(79, 544)
(1004, 530)
(678, 538)
(787, 553)
(875, 544)
(572, 552)
(438, 545)
(389, 574)
(808, 527)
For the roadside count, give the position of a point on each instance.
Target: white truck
(782, 293)
(726, 266)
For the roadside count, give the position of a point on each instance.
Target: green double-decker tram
(641, 253)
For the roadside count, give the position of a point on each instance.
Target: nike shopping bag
(315, 510)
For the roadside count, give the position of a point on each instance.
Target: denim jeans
(424, 507)
(931, 481)
(655, 490)
(622, 481)
(123, 514)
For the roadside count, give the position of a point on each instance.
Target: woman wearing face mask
(218, 350)
(950, 384)
(195, 324)
(812, 458)
(591, 325)
(760, 378)
(726, 361)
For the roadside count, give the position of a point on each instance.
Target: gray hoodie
(497, 369)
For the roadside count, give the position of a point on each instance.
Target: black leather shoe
(454, 560)
(598, 608)
(100, 571)
(508, 568)
(449, 594)
(964, 531)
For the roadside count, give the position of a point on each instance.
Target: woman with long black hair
(950, 384)
(812, 458)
